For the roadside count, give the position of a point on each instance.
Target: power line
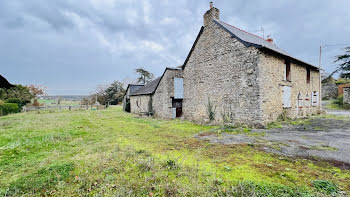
(329, 45)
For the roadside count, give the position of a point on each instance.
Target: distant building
(246, 79)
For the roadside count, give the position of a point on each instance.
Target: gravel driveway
(325, 138)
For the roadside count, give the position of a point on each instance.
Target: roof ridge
(253, 35)
(245, 31)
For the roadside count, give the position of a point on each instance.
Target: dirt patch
(324, 138)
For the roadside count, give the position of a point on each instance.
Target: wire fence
(63, 107)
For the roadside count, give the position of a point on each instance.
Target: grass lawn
(110, 152)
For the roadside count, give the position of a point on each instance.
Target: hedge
(8, 108)
(15, 100)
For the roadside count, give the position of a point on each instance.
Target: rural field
(110, 152)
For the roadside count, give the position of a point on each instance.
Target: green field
(52, 102)
(109, 152)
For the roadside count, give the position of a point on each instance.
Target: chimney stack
(211, 14)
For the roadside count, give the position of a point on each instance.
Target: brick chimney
(212, 13)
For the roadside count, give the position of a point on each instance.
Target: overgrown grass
(338, 104)
(109, 152)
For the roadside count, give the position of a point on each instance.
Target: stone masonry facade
(329, 91)
(244, 83)
(272, 79)
(140, 104)
(162, 98)
(223, 71)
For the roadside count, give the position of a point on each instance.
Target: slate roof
(134, 87)
(253, 40)
(149, 88)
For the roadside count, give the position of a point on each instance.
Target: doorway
(177, 104)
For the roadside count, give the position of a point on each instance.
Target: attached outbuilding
(129, 90)
(161, 97)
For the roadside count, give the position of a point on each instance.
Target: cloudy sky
(71, 46)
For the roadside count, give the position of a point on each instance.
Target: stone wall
(225, 72)
(329, 91)
(346, 95)
(126, 98)
(162, 101)
(272, 75)
(139, 104)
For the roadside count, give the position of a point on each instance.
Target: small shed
(341, 88)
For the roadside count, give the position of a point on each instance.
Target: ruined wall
(162, 101)
(329, 91)
(221, 69)
(272, 69)
(139, 104)
(346, 95)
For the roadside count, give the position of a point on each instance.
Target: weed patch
(326, 187)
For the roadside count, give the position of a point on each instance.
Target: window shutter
(178, 88)
(287, 97)
(315, 98)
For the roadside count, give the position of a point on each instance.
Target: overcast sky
(71, 46)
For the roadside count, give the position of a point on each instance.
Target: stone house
(244, 77)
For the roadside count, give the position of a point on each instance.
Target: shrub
(340, 100)
(15, 100)
(211, 110)
(326, 187)
(1, 102)
(283, 116)
(171, 164)
(8, 108)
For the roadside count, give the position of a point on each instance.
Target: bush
(15, 100)
(8, 108)
(339, 101)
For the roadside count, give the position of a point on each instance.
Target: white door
(287, 93)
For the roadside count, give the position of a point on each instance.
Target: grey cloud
(71, 46)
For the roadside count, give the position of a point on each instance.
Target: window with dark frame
(308, 74)
(287, 77)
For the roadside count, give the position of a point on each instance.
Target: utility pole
(320, 83)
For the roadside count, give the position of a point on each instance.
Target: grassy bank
(114, 153)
